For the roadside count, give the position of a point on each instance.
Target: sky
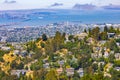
(31, 4)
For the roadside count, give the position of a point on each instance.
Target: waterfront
(35, 18)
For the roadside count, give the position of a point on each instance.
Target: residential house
(67, 40)
(117, 37)
(117, 68)
(70, 53)
(117, 56)
(94, 55)
(23, 53)
(106, 54)
(107, 74)
(6, 48)
(101, 63)
(70, 71)
(118, 44)
(61, 62)
(112, 52)
(81, 72)
(59, 71)
(18, 72)
(46, 65)
(90, 40)
(81, 35)
(102, 42)
(111, 35)
(16, 52)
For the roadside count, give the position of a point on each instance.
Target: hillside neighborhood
(92, 54)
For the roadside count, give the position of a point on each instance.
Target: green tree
(58, 41)
(95, 33)
(117, 63)
(103, 36)
(76, 76)
(71, 37)
(111, 30)
(37, 66)
(63, 77)
(44, 37)
(111, 58)
(51, 75)
(115, 74)
(39, 75)
(89, 32)
(42, 44)
(2, 74)
(112, 45)
(95, 67)
(85, 30)
(105, 29)
(118, 31)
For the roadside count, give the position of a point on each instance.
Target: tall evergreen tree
(44, 37)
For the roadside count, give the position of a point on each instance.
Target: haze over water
(43, 17)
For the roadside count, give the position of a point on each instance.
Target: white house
(70, 71)
(117, 56)
(80, 72)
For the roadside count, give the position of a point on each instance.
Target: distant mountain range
(84, 6)
(9, 2)
(111, 6)
(92, 7)
(56, 4)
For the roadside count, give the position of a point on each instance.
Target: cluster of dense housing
(25, 34)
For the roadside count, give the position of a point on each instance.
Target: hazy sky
(28, 4)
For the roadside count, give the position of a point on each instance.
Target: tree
(112, 45)
(74, 65)
(51, 75)
(42, 44)
(117, 63)
(99, 76)
(76, 76)
(58, 41)
(85, 30)
(95, 67)
(14, 65)
(63, 77)
(39, 75)
(111, 30)
(87, 77)
(49, 49)
(89, 32)
(111, 58)
(38, 39)
(105, 29)
(101, 67)
(63, 36)
(103, 36)
(71, 37)
(95, 33)
(44, 37)
(37, 66)
(115, 74)
(118, 40)
(2, 74)
(84, 61)
(31, 46)
(118, 31)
